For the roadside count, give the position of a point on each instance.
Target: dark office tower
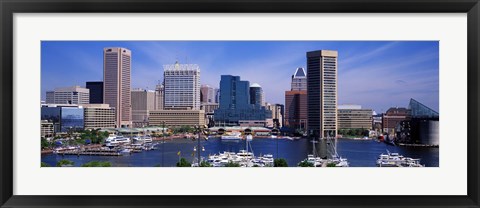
(322, 99)
(96, 91)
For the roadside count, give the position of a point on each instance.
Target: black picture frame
(10, 7)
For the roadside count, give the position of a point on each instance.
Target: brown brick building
(296, 109)
(392, 117)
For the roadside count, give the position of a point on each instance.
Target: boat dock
(416, 145)
(92, 153)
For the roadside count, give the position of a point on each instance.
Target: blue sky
(374, 74)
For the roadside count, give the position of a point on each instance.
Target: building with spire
(296, 102)
(299, 80)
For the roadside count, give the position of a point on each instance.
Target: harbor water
(360, 153)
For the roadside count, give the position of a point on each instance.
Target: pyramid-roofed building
(419, 110)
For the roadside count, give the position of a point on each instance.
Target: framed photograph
(246, 104)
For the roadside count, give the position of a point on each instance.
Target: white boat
(114, 140)
(244, 158)
(143, 139)
(232, 136)
(63, 149)
(244, 154)
(125, 151)
(287, 137)
(396, 160)
(315, 161)
(340, 162)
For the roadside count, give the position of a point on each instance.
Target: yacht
(397, 160)
(114, 140)
(143, 139)
(232, 136)
(315, 161)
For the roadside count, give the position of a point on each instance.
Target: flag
(178, 153)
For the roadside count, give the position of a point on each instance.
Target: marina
(360, 153)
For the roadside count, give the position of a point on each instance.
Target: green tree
(351, 132)
(331, 165)
(205, 164)
(97, 164)
(280, 162)
(45, 144)
(366, 132)
(232, 164)
(183, 163)
(65, 163)
(44, 164)
(305, 163)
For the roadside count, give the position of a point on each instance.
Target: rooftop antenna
(176, 56)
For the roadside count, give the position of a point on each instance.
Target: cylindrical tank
(429, 132)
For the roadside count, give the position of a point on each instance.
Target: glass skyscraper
(235, 103)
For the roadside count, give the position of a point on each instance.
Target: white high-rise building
(182, 86)
(68, 95)
(117, 84)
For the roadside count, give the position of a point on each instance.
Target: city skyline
(374, 74)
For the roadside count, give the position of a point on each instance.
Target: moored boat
(232, 136)
(397, 160)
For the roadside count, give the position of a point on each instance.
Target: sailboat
(336, 159)
(331, 150)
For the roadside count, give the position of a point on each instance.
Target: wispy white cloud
(392, 83)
